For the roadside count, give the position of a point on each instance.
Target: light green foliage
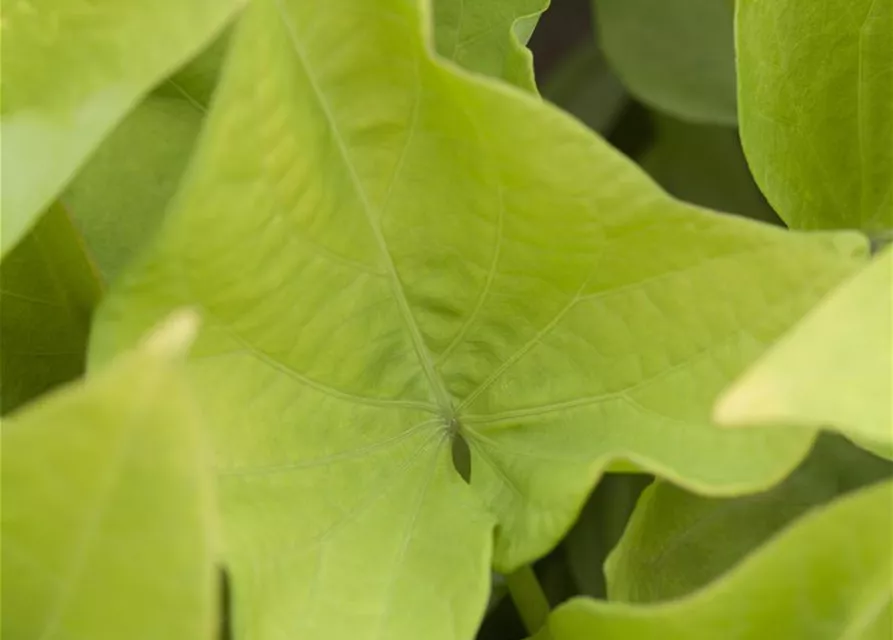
(488, 36)
(387, 249)
(107, 513)
(678, 542)
(834, 369)
(704, 164)
(71, 70)
(815, 81)
(827, 577)
(48, 289)
(119, 197)
(676, 55)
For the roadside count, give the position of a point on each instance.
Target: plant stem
(529, 599)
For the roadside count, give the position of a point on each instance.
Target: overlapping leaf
(678, 542)
(827, 577)
(390, 251)
(675, 55)
(815, 86)
(835, 369)
(71, 70)
(489, 37)
(48, 289)
(120, 195)
(107, 525)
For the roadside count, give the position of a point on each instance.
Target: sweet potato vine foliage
(434, 310)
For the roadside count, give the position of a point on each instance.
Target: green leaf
(834, 369)
(815, 82)
(704, 165)
(48, 290)
(489, 37)
(677, 56)
(827, 577)
(389, 250)
(678, 542)
(107, 514)
(71, 71)
(119, 197)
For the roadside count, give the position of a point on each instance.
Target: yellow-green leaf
(108, 520)
(392, 253)
(815, 88)
(834, 369)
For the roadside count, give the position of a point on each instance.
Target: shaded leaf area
(599, 528)
(678, 542)
(792, 587)
(389, 252)
(833, 370)
(48, 289)
(677, 56)
(704, 165)
(119, 197)
(815, 86)
(107, 512)
(71, 72)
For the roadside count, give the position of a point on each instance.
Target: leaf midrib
(442, 396)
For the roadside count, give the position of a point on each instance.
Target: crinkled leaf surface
(815, 81)
(704, 164)
(120, 195)
(48, 289)
(387, 250)
(678, 542)
(675, 55)
(71, 70)
(834, 369)
(107, 516)
(827, 577)
(489, 36)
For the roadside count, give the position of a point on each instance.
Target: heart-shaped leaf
(392, 254)
(815, 85)
(71, 71)
(675, 55)
(834, 369)
(49, 290)
(677, 542)
(107, 522)
(827, 577)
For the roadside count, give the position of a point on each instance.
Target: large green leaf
(675, 55)
(391, 252)
(107, 516)
(678, 542)
(48, 289)
(71, 71)
(827, 577)
(488, 36)
(815, 83)
(120, 195)
(835, 369)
